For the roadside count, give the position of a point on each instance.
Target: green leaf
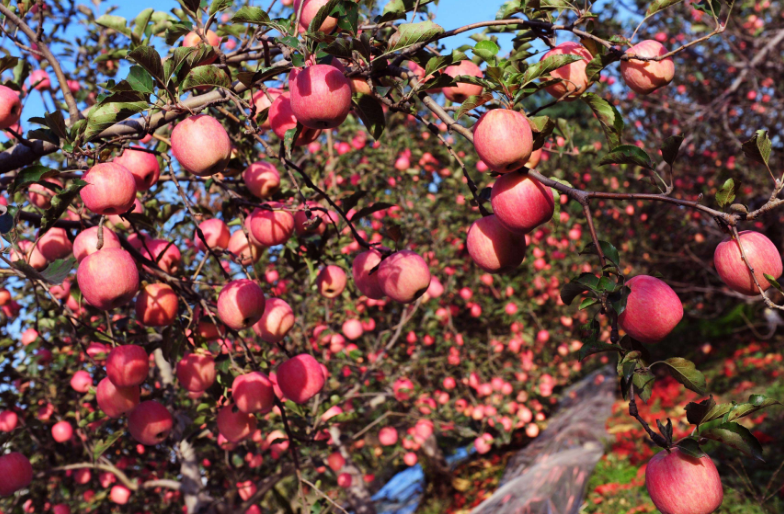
(118, 107)
(60, 203)
(690, 447)
(758, 147)
(549, 64)
(706, 410)
(487, 50)
(726, 195)
(31, 175)
(608, 116)
(58, 270)
(289, 137)
(588, 302)
(659, 5)
(372, 115)
(733, 435)
(112, 55)
(598, 63)
(254, 15)
(396, 9)
(472, 102)
(609, 251)
(756, 403)
(149, 59)
(7, 63)
(208, 75)
(619, 298)
(670, 148)
(140, 80)
(442, 61)
(322, 14)
(773, 282)
(627, 154)
(56, 122)
(409, 34)
(220, 5)
(101, 446)
(339, 48)
(584, 283)
(643, 384)
(117, 23)
(595, 347)
(686, 373)
(140, 23)
(175, 31)
(542, 128)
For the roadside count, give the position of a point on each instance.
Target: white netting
(549, 475)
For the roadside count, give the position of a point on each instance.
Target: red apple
(216, 233)
(241, 304)
(234, 424)
(645, 77)
(120, 494)
(87, 241)
(17, 473)
(352, 329)
(247, 252)
(263, 101)
(270, 227)
(300, 378)
(503, 140)
(320, 96)
(366, 282)
(762, 254)
(652, 309)
(39, 80)
(201, 145)
(164, 253)
(331, 281)
(282, 119)
(275, 323)
(156, 306)
(521, 203)
(143, 166)
(335, 461)
(54, 244)
(196, 372)
(262, 179)
(81, 381)
(309, 11)
(115, 401)
(574, 80)
(111, 189)
(62, 431)
(8, 420)
(253, 392)
(10, 107)
(194, 39)
(493, 247)
(463, 90)
(404, 276)
(387, 436)
(41, 195)
(108, 278)
(680, 484)
(127, 365)
(150, 423)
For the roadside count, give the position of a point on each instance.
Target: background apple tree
(359, 273)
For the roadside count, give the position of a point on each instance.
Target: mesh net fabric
(549, 475)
